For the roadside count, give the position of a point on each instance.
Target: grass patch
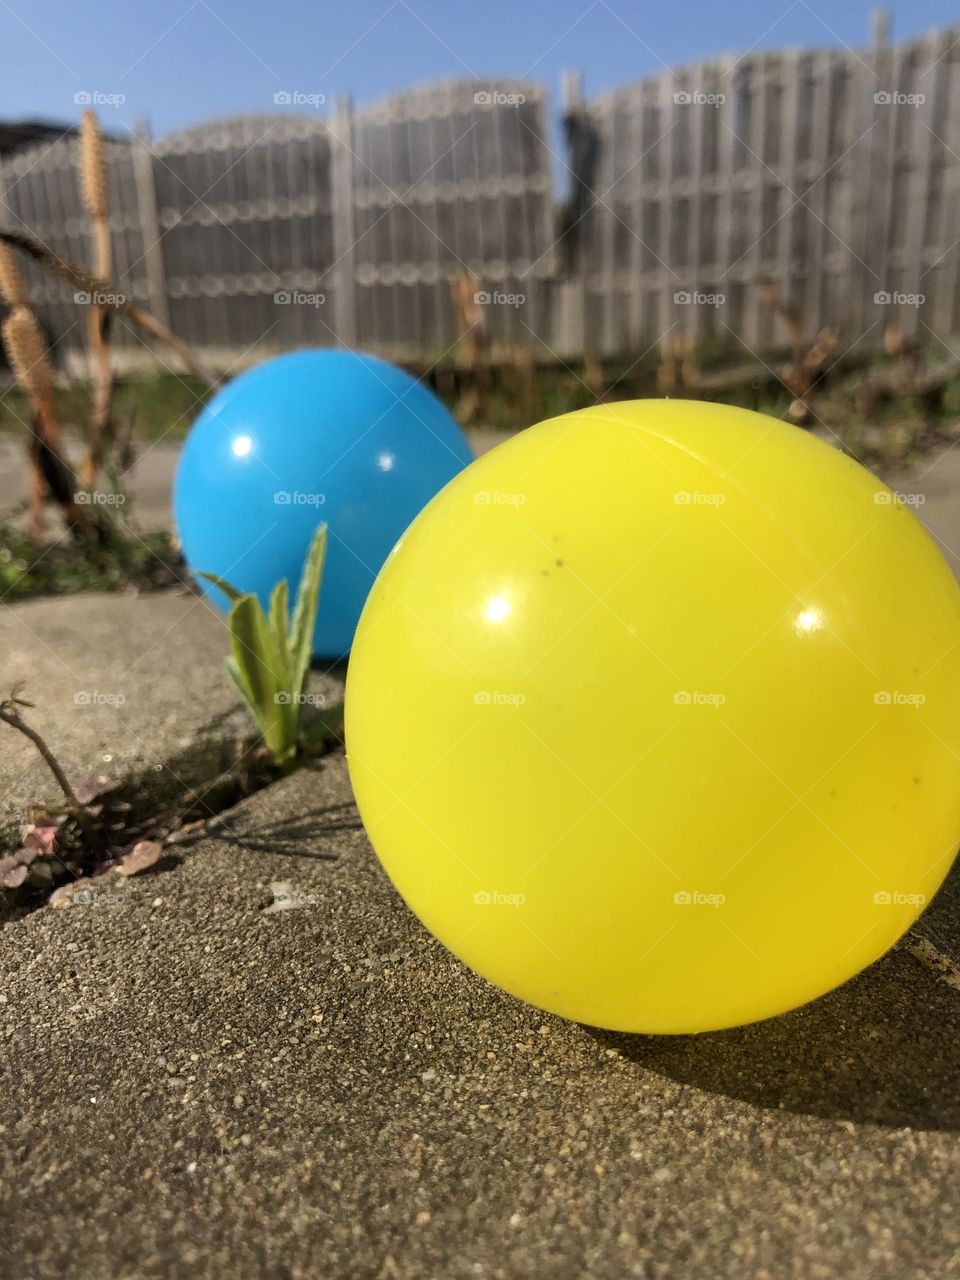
(145, 561)
(162, 404)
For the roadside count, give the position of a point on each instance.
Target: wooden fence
(833, 174)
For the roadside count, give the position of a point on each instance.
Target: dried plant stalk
(31, 366)
(593, 375)
(773, 297)
(93, 182)
(801, 375)
(14, 294)
(93, 169)
(473, 345)
(82, 279)
(12, 289)
(523, 364)
(678, 368)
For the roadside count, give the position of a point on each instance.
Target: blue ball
(308, 438)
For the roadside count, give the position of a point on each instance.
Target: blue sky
(180, 62)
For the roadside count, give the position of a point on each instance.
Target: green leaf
(236, 675)
(261, 669)
(232, 594)
(305, 613)
(279, 625)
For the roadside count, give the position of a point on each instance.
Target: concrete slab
(198, 1085)
(121, 685)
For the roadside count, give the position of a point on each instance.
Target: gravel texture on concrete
(120, 684)
(257, 1063)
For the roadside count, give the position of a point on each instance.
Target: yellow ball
(653, 716)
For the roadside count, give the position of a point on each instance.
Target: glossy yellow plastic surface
(653, 716)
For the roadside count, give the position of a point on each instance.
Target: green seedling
(270, 658)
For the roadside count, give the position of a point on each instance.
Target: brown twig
(11, 716)
(84, 281)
